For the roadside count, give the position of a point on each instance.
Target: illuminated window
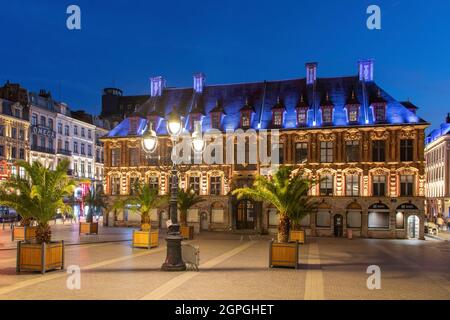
(215, 185)
(277, 118)
(353, 113)
(245, 120)
(194, 184)
(327, 115)
(115, 185)
(378, 220)
(301, 116)
(326, 152)
(326, 185)
(215, 120)
(115, 157)
(352, 185)
(380, 113)
(153, 182)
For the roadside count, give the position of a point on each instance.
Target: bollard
(349, 234)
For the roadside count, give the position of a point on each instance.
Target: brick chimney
(156, 86)
(365, 68)
(199, 82)
(311, 73)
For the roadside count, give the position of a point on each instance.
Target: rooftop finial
(448, 118)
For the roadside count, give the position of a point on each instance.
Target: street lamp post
(174, 260)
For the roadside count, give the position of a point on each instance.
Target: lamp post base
(174, 260)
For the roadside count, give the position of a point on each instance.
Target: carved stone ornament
(379, 135)
(327, 136)
(408, 133)
(352, 135)
(301, 138)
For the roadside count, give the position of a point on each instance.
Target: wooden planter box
(145, 239)
(187, 232)
(23, 233)
(88, 228)
(297, 235)
(40, 257)
(283, 254)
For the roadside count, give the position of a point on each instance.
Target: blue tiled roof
(443, 130)
(262, 96)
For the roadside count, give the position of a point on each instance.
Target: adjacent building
(42, 130)
(14, 144)
(365, 147)
(437, 170)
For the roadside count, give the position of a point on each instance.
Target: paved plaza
(233, 267)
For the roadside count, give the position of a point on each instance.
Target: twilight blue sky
(123, 43)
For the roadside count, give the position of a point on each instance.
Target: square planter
(25, 233)
(187, 232)
(297, 235)
(88, 228)
(145, 239)
(40, 257)
(283, 254)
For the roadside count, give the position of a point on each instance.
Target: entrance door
(338, 225)
(413, 227)
(245, 219)
(204, 221)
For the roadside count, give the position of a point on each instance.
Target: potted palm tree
(186, 200)
(144, 200)
(41, 195)
(94, 201)
(288, 192)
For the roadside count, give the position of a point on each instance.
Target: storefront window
(323, 219)
(379, 220)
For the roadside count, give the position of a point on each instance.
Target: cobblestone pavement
(234, 266)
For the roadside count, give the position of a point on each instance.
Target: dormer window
(277, 113)
(133, 125)
(277, 118)
(193, 118)
(327, 111)
(302, 112)
(196, 113)
(245, 119)
(352, 107)
(215, 120)
(246, 115)
(379, 108)
(216, 116)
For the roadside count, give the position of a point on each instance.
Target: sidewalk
(69, 233)
(443, 236)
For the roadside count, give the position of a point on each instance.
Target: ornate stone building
(437, 156)
(363, 147)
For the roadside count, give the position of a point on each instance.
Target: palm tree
(286, 191)
(95, 201)
(186, 200)
(40, 195)
(145, 199)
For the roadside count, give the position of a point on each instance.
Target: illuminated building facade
(437, 156)
(14, 144)
(364, 147)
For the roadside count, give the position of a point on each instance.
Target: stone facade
(364, 149)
